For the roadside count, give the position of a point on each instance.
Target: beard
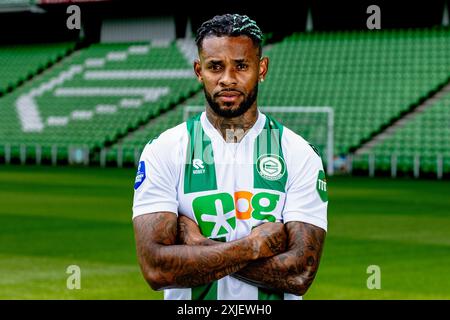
(232, 113)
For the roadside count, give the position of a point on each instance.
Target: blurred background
(84, 85)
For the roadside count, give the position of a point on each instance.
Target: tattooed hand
(189, 232)
(292, 271)
(270, 239)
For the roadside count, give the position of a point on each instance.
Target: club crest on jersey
(140, 175)
(270, 166)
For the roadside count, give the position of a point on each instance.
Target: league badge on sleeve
(140, 175)
(322, 186)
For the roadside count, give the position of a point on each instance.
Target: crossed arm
(173, 253)
(166, 264)
(291, 271)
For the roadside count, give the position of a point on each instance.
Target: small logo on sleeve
(322, 186)
(140, 175)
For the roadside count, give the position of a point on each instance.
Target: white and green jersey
(273, 175)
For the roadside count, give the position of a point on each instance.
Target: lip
(229, 98)
(229, 94)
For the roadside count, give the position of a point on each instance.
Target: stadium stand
(426, 137)
(94, 97)
(105, 95)
(369, 78)
(21, 62)
(129, 149)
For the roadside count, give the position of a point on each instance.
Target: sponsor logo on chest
(217, 213)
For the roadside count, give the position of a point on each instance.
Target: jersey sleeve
(306, 195)
(155, 187)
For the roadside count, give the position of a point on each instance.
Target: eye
(242, 66)
(215, 67)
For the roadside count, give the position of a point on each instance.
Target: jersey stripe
(265, 294)
(205, 292)
(268, 143)
(199, 170)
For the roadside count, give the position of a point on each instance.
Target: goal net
(314, 124)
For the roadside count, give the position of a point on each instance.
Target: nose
(228, 78)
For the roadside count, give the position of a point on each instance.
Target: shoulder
(296, 147)
(167, 143)
(171, 136)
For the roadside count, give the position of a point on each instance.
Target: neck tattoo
(233, 130)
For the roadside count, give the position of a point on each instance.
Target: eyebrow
(214, 61)
(221, 61)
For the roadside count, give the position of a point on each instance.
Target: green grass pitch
(51, 218)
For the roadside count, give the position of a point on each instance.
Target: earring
(262, 80)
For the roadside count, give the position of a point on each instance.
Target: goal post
(314, 124)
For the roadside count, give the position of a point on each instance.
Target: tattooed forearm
(294, 270)
(166, 264)
(276, 244)
(189, 233)
(187, 280)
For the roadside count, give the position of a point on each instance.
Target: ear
(263, 68)
(198, 70)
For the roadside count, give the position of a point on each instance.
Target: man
(230, 204)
